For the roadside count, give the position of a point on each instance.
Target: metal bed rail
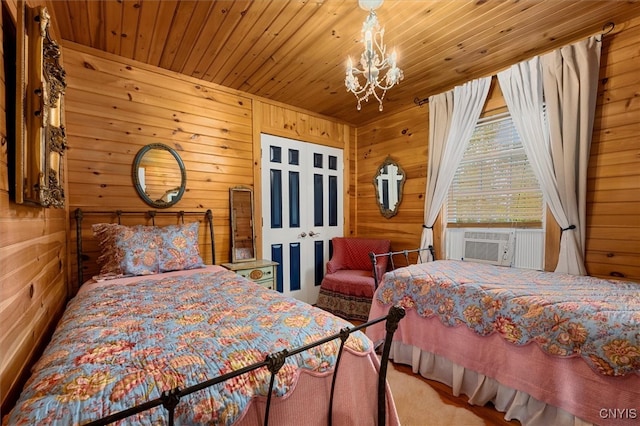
(170, 399)
(405, 256)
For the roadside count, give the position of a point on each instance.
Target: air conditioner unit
(491, 247)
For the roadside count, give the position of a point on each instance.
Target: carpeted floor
(419, 405)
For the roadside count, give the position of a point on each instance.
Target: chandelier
(373, 62)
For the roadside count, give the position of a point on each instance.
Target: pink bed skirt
(567, 383)
(355, 400)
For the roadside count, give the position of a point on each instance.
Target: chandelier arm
(379, 98)
(385, 88)
(358, 92)
(356, 71)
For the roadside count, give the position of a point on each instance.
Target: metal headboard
(147, 214)
(405, 256)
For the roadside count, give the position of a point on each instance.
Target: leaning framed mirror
(243, 244)
(389, 183)
(159, 175)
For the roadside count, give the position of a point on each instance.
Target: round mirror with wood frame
(159, 175)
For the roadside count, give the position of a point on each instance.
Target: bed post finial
(170, 400)
(396, 313)
(274, 361)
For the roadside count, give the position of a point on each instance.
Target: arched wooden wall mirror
(243, 243)
(389, 182)
(159, 175)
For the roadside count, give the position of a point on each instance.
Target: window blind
(495, 183)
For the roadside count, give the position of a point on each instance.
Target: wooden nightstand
(262, 272)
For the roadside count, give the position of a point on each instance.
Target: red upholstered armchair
(348, 286)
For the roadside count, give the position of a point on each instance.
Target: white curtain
(559, 154)
(452, 119)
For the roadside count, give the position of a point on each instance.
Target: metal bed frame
(405, 257)
(273, 362)
(170, 399)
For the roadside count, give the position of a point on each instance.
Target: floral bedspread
(121, 345)
(566, 315)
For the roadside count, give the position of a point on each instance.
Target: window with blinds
(494, 182)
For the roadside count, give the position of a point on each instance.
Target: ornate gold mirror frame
(40, 132)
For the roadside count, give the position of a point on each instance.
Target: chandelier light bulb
(378, 70)
(368, 43)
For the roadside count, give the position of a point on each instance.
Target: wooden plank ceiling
(295, 51)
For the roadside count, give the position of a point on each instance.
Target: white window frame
(478, 198)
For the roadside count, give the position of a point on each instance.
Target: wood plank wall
(115, 106)
(613, 189)
(404, 138)
(613, 203)
(33, 261)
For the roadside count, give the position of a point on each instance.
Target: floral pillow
(139, 245)
(144, 250)
(127, 250)
(179, 247)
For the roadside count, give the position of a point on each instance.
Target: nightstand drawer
(266, 284)
(257, 274)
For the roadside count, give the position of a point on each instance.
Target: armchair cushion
(351, 282)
